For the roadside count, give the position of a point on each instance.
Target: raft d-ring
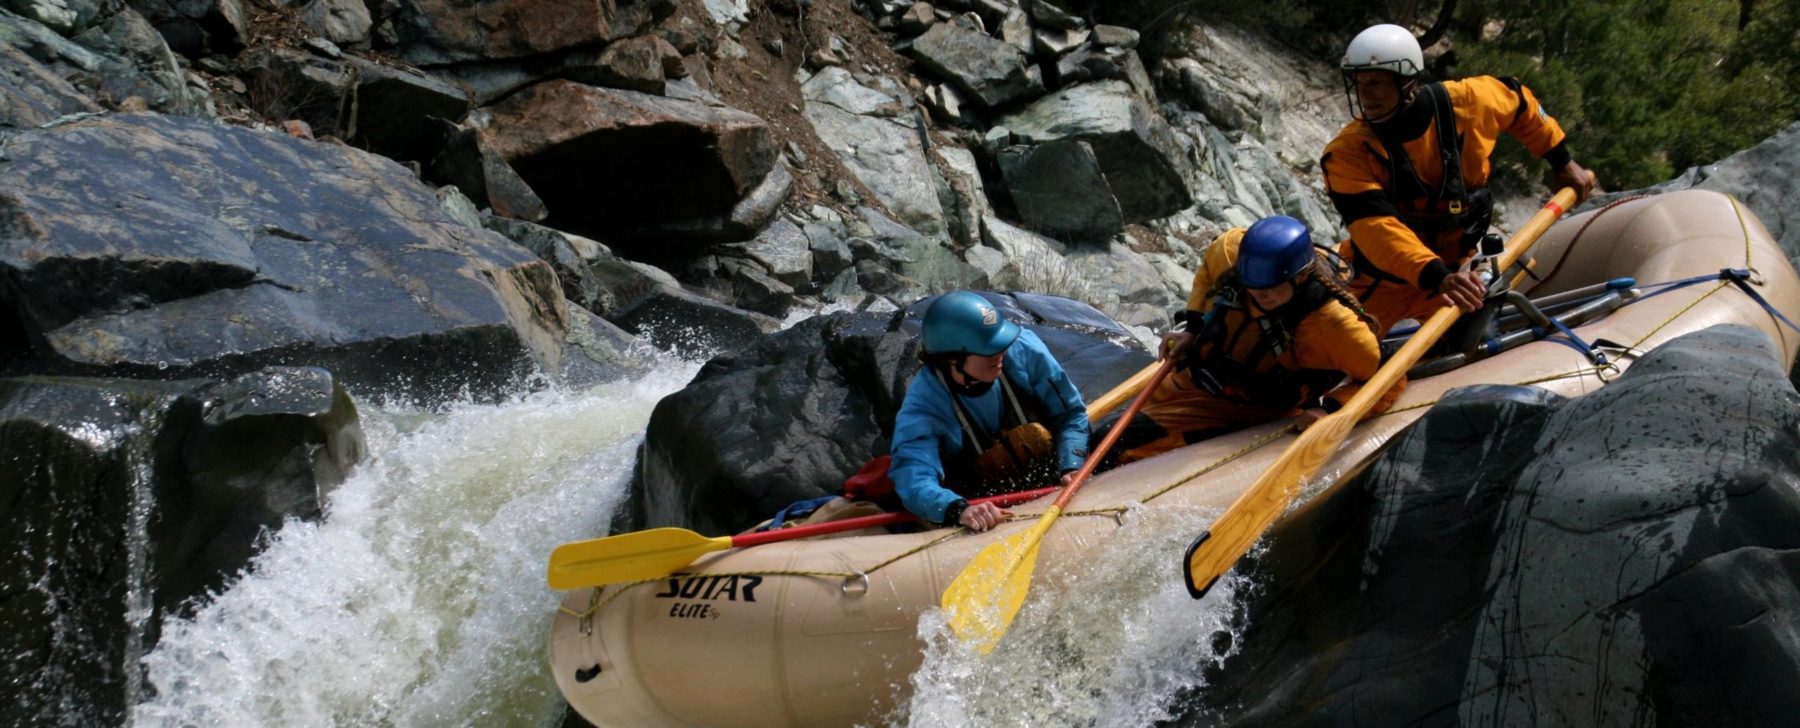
(849, 581)
(1608, 371)
(1119, 517)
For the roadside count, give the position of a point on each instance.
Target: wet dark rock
(174, 248)
(125, 499)
(467, 162)
(1623, 558)
(794, 414)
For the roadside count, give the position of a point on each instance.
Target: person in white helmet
(1416, 206)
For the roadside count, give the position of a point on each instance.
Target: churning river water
(419, 598)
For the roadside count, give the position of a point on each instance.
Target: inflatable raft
(825, 632)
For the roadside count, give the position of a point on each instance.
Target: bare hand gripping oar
(985, 597)
(1217, 548)
(658, 552)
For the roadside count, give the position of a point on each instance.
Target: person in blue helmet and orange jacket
(990, 412)
(1269, 332)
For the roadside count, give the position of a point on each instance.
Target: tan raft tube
(743, 638)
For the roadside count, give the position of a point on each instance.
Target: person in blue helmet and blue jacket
(990, 412)
(1269, 332)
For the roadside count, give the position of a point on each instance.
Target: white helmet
(1384, 48)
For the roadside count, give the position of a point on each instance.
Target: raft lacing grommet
(844, 586)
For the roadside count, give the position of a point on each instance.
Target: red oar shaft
(886, 519)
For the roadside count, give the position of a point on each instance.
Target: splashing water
(420, 598)
(1109, 641)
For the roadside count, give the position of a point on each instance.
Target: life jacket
(1431, 212)
(1243, 356)
(1021, 455)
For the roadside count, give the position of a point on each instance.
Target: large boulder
(872, 128)
(436, 32)
(1623, 558)
(1142, 162)
(153, 246)
(118, 62)
(792, 416)
(988, 69)
(639, 170)
(122, 500)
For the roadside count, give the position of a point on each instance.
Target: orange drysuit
(1409, 227)
(1263, 365)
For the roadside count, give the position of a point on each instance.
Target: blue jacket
(927, 423)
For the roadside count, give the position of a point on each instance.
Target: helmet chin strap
(966, 384)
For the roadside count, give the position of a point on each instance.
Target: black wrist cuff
(953, 512)
(1433, 275)
(1559, 155)
(1331, 406)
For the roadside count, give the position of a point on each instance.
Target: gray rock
(195, 28)
(118, 58)
(917, 19)
(284, 83)
(991, 71)
(435, 32)
(1015, 29)
(1138, 153)
(1515, 559)
(401, 113)
(757, 208)
(485, 178)
(961, 195)
(1113, 36)
(1058, 188)
(125, 495)
(344, 22)
(674, 170)
(739, 280)
(948, 105)
(250, 248)
(874, 135)
(66, 17)
(31, 95)
(1051, 43)
(831, 255)
(1100, 64)
(1049, 15)
(636, 64)
(782, 249)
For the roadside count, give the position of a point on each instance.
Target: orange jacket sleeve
(1220, 256)
(1356, 177)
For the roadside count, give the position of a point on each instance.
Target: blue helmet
(1274, 251)
(961, 322)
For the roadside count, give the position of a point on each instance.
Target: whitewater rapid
(419, 598)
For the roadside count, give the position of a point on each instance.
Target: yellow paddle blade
(985, 597)
(628, 557)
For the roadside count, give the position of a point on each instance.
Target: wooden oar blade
(628, 557)
(985, 597)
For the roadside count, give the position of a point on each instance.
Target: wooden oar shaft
(1112, 436)
(1218, 548)
(1117, 395)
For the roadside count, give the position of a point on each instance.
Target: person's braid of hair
(1335, 286)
